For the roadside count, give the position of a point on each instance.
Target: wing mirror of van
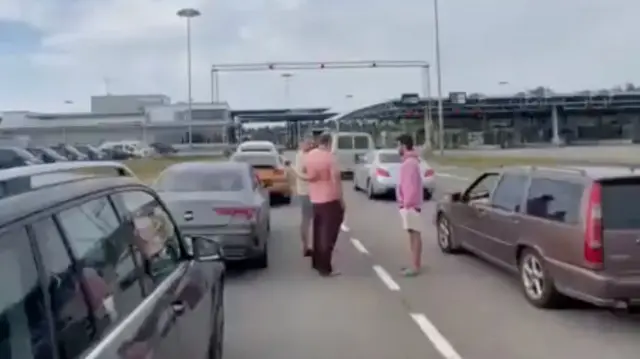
(205, 249)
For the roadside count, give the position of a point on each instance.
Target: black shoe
(307, 253)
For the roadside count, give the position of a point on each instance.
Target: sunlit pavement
(461, 307)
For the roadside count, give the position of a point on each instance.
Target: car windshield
(200, 180)
(253, 160)
(389, 157)
(83, 148)
(27, 155)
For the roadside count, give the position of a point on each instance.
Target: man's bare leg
(416, 249)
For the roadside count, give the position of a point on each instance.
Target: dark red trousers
(327, 219)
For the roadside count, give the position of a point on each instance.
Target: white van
(348, 146)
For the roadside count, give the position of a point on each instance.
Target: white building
(148, 118)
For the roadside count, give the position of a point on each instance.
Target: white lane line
(359, 246)
(449, 175)
(386, 278)
(344, 228)
(441, 343)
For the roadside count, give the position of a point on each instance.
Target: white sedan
(377, 173)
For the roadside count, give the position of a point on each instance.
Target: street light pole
(189, 13)
(287, 76)
(347, 100)
(439, 79)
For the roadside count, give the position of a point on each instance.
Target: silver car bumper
(235, 246)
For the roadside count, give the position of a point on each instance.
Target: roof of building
(278, 111)
(287, 117)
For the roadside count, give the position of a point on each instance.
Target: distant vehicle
(377, 173)
(15, 157)
(271, 170)
(220, 199)
(133, 147)
(163, 148)
(91, 152)
(568, 231)
(118, 278)
(258, 146)
(46, 154)
(349, 146)
(70, 152)
(117, 154)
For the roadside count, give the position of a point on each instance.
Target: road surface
(461, 307)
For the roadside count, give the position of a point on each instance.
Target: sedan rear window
(201, 181)
(620, 200)
(390, 158)
(257, 161)
(256, 149)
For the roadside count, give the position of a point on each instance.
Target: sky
(55, 54)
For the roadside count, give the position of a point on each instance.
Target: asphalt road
(461, 307)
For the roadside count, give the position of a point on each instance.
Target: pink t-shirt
(324, 176)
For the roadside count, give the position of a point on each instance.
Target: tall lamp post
(189, 13)
(439, 78)
(347, 100)
(287, 76)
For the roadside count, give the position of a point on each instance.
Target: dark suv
(94, 267)
(568, 232)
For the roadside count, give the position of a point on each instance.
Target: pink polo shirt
(324, 176)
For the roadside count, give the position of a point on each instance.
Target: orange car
(271, 170)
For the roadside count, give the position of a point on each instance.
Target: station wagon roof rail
(580, 171)
(118, 168)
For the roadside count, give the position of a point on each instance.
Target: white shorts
(411, 220)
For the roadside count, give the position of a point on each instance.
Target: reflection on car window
(155, 236)
(509, 193)
(360, 142)
(75, 330)
(554, 200)
(24, 331)
(345, 142)
(99, 243)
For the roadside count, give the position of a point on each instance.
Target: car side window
(155, 236)
(104, 259)
(483, 187)
(554, 200)
(509, 192)
(24, 329)
(75, 329)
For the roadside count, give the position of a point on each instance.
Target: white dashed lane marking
(344, 227)
(432, 333)
(386, 278)
(359, 246)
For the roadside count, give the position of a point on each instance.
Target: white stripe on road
(433, 334)
(386, 278)
(359, 246)
(344, 228)
(449, 175)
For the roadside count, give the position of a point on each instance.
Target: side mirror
(456, 197)
(205, 249)
(287, 163)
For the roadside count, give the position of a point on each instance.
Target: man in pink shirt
(409, 194)
(322, 172)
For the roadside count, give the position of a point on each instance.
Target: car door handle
(179, 307)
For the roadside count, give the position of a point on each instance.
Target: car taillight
(380, 172)
(430, 172)
(593, 251)
(247, 213)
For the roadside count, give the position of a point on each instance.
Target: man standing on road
(302, 194)
(409, 194)
(325, 193)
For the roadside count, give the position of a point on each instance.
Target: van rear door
(621, 226)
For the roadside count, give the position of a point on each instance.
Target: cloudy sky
(58, 51)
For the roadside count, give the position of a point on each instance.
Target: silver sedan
(222, 200)
(377, 173)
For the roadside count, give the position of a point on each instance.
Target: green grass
(148, 168)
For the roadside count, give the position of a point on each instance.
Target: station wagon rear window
(620, 203)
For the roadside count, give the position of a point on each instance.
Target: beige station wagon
(568, 232)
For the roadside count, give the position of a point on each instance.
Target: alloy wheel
(444, 233)
(533, 277)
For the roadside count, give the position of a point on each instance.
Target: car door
(193, 293)
(500, 220)
(464, 214)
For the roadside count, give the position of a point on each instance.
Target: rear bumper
(596, 288)
(235, 246)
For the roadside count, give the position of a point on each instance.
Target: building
(147, 118)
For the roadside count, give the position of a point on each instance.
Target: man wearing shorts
(409, 194)
(302, 193)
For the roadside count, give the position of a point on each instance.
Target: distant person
(409, 194)
(325, 193)
(302, 194)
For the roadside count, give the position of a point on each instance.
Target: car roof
(595, 173)
(257, 143)
(196, 165)
(21, 205)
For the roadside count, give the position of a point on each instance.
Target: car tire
(537, 284)
(355, 185)
(262, 261)
(444, 234)
(370, 193)
(428, 194)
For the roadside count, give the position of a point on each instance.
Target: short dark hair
(406, 141)
(324, 139)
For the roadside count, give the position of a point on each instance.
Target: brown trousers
(327, 219)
